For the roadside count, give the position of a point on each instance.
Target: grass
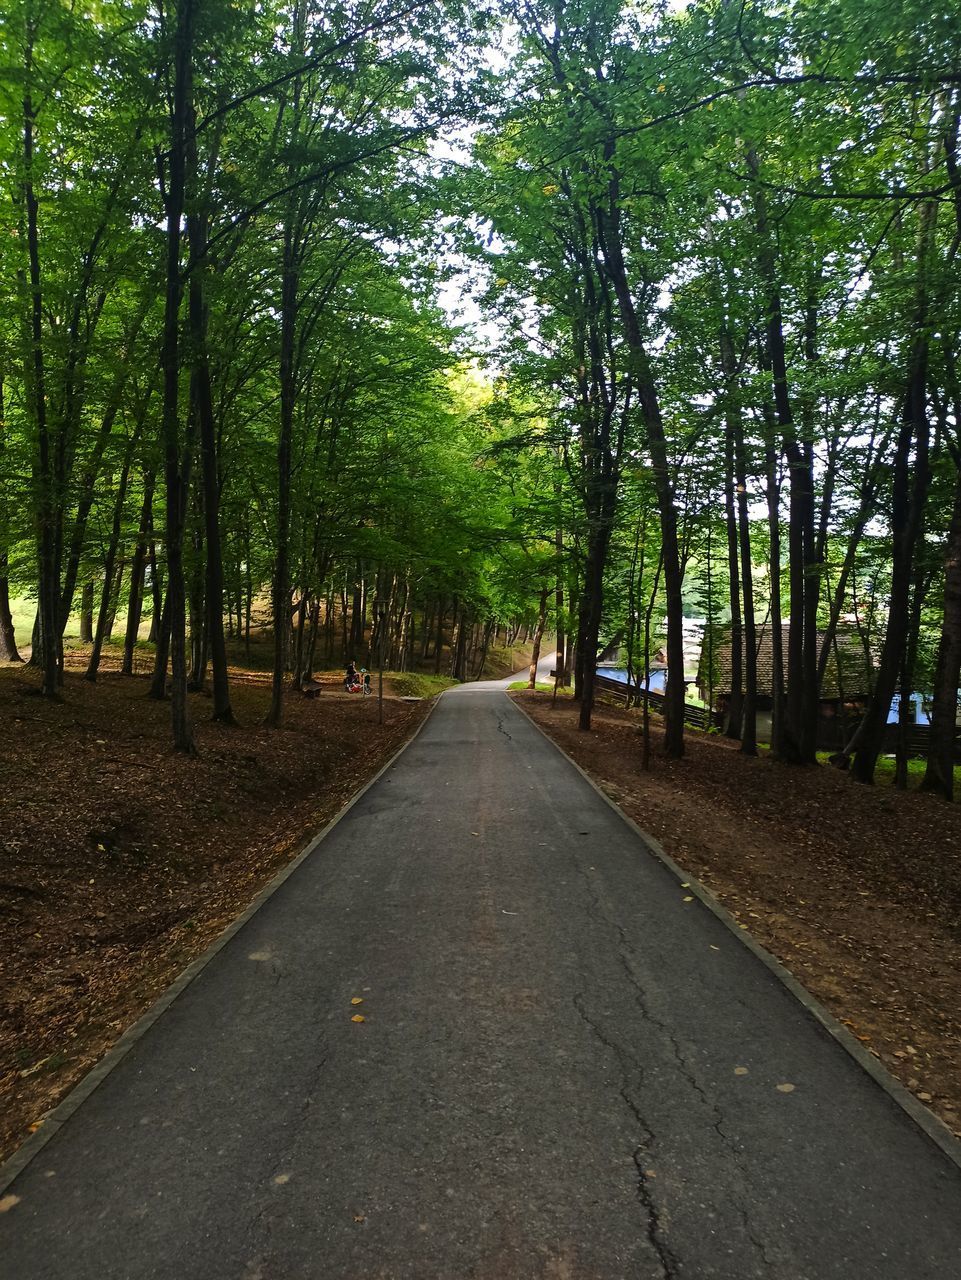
(541, 687)
(413, 684)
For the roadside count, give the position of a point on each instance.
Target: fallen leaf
(358, 1017)
(282, 1179)
(689, 898)
(7, 1202)
(359, 1217)
(785, 1088)
(356, 1000)
(742, 1071)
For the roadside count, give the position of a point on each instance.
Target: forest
(376, 326)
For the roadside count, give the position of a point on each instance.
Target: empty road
(565, 1070)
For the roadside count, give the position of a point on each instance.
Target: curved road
(566, 1070)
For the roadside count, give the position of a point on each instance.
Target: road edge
(933, 1127)
(54, 1121)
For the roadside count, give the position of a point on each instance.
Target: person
(366, 674)
(350, 677)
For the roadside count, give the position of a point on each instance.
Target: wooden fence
(832, 736)
(696, 717)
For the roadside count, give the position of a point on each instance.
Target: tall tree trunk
(105, 614)
(8, 640)
(797, 743)
(749, 725)
(908, 497)
(773, 495)
(135, 605)
(47, 498)
(197, 230)
(439, 635)
(281, 585)
(610, 234)
(175, 605)
(559, 606)
(538, 636)
(735, 707)
(86, 613)
(939, 772)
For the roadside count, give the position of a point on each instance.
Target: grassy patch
(541, 687)
(412, 684)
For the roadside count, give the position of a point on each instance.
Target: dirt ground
(856, 890)
(121, 861)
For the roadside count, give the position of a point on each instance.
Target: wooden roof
(854, 681)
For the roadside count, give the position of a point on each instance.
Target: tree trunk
(735, 707)
(49, 577)
(86, 613)
(175, 605)
(749, 725)
(8, 640)
(538, 636)
(439, 636)
(773, 494)
(663, 483)
(281, 584)
(939, 772)
(908, 497)
(197, 224)
(135, 605)
(108, 582)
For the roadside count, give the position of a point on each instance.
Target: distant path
(566, 1071)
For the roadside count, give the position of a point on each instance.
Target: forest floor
(856, 890)
(122, 862)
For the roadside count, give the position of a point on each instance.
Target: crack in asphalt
(500, 726)
(655, 1230)
(261, 1223)
(625, 950)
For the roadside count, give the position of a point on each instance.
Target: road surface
(566, 1070)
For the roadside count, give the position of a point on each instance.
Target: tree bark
(175, 604)
(137, 572)
(538, 636)
(939, 772)
(47, 500)
(657, 443)
(197, 231)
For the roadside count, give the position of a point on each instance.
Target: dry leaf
(358, 1017)
(689, 898)
(7, 1202)
(356, 1000)
(741, 1071)
(785, 1088)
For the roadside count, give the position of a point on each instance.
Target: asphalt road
(566, 1071)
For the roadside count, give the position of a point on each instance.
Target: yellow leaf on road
(356, 1000)
(358, 1017)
